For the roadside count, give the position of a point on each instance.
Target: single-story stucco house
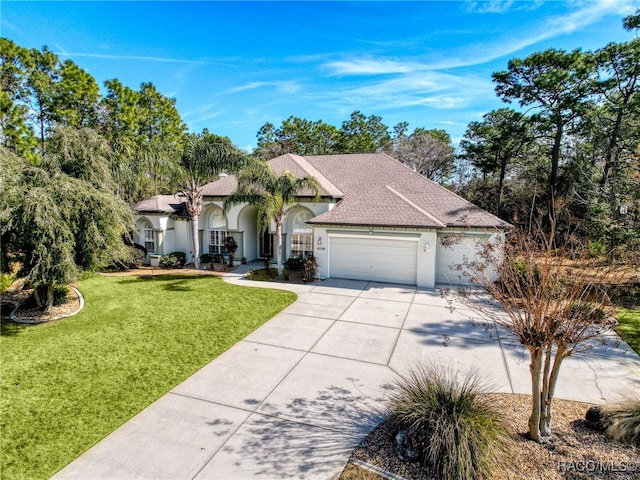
(376, 220)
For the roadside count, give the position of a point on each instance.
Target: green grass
(629, 326)
(67, 384)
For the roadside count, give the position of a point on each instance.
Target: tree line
(571, 153)
(569, 156)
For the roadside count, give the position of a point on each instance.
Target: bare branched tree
(553, 307)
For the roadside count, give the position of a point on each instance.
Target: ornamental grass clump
(623, 421)
(448, 422)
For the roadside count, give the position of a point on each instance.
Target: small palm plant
(271, 193)
(449, 424)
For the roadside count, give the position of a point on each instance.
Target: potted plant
(230, 246)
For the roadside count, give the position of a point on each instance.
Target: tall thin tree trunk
(503, 172)
(536, 371)
(279, 247)
(196, 242)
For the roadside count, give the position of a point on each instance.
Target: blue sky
(232, 66)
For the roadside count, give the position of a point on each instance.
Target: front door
(266, 244)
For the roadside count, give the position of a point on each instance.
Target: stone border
(16, 319)
(374, 469)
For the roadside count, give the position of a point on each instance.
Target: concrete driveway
(294, 398)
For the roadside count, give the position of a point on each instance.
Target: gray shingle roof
(372, 189)
(293, 163)
(380, 191)
(160, 204)
(221, 187)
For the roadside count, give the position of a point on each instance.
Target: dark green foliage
(181, 256)
(230, 245)
(206, 258)
(295, 264)
(173, 260)
(307, 264)
(60, 294)
(57, 225)
(453, 428)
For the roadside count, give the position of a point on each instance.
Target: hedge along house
(376, 220)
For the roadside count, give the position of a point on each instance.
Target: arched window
(149, 237)
(217, 231)
(301, 234)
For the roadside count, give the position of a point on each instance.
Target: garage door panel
(375, 259)
(450, 257)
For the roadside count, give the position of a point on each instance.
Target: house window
(217, 231)
(301, 244)
(301, 235)
(149, 238)
(216, 241)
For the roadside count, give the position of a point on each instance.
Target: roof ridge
(415, 207)
(313, 172)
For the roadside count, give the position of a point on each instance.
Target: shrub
(295, 264)
(6, 281)
(206, 258)
(452, 428)
(60, 297)
(135, 256)
(596, 248)
(169, 261)
(60, 294)
(218, 258)
(181, 256)
(230, 245)
(310, 267)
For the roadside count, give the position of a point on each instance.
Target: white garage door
(373, 258)
(450, 258)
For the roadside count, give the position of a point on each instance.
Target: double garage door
(379, 259)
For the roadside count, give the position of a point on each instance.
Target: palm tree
(270, 193)
(205, 157)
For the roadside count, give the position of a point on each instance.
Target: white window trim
(216, 240)
(149, 238)
(301, 244)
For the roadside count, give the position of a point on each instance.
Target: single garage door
(450, 258)
(379, 259)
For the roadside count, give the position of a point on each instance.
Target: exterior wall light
(319, 241)
(427, 247)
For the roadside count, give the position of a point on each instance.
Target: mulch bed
(21, 295)
(576, 451)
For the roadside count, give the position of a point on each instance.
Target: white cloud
(128, 57)
(371, 66)
(286, 87)
(489, 6)
(584, 15)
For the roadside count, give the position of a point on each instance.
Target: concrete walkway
(294, 397)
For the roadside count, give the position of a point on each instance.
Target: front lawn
(629, 326)
(67, 384)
